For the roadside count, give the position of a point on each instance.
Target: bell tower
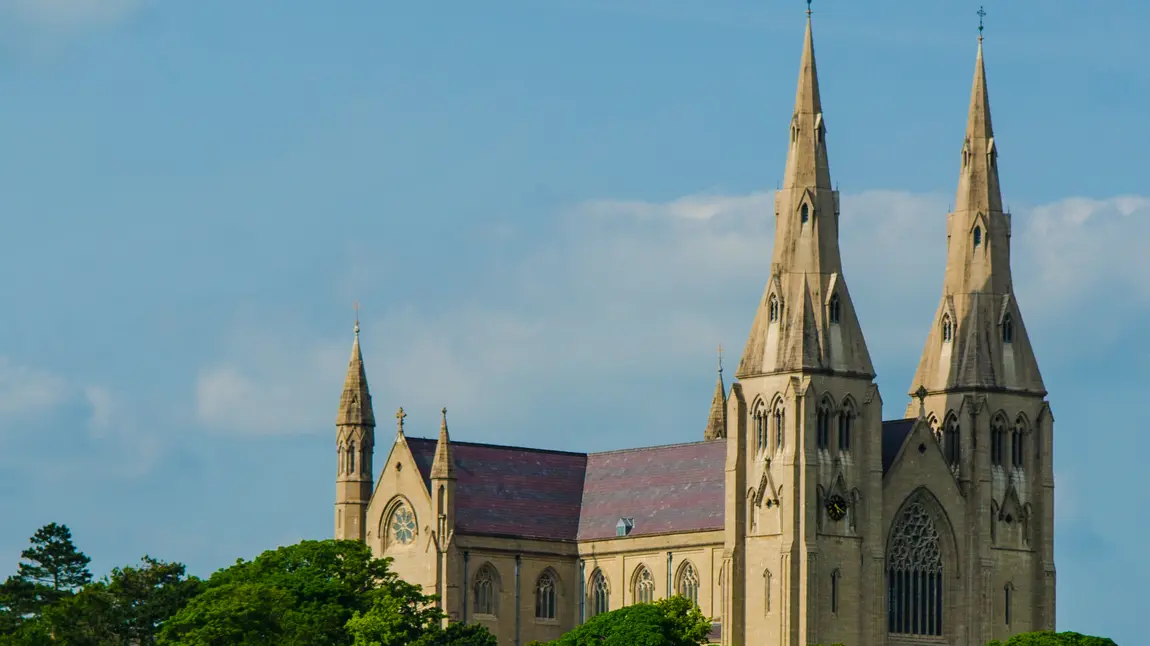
(979, 383)
(804, 421)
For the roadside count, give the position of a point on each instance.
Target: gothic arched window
(914, 574)
(846, 418)
(773, 308)
(805, 213)
(600, 594)
(1008, 329)
(947, 329)
(835, 309)
(780, 426)
(1017, 438)
(545, 596)
(997, 440)
(688, 584)
(351, 459)
(952, 448)
(644, 591)
(977, 236)
(485, 589)
(823, 426)
(760, 425)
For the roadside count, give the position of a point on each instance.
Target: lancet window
(823, 426)
(545, 596)
(846, 419)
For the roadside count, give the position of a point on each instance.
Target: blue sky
(551, 213)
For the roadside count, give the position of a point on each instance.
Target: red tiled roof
(555, 495)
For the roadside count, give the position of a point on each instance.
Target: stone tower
(355, 442)
(804, 458)
(983, 395)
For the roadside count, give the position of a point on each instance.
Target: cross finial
(808, 9)
(357, 320)
(921, 394)
(720, 351)
(399, 415)
(981, 15)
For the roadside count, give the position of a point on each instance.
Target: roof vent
(624, 526)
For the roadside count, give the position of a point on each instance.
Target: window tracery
(760, 426)
(644, 591)
(402, 525)
(545, 596)
(485, 589)
(688, 585)
(914, 574)
(600, 594)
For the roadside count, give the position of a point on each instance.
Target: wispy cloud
(68, 14)
(25, 390)
(629, 287)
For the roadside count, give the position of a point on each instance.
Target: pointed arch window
(805, 213)
(688, 584)
(760, 425)
(773, 308)
(402, 525)
(997, 441)
(1017, 440)
(780, 426)
(1007, 601)
(767, 579)
(823, 426)
(846, 419)
(835, 308)
(952, 448)
(351, 459)
(600, 594)
(914, 574)
(545, 596)
(977, 236)
(644, 591)
(484, 589)
(1008, 329)
(947, 329)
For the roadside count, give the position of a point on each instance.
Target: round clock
(836, 507)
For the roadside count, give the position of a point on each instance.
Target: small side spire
(443, 465)
(355, 402)
(717, 421)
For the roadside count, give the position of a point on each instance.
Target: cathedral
(802, 517)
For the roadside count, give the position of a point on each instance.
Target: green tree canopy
(1045, 638)
(667, 622)
(50, 570)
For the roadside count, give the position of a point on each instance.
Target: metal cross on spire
(981, 15)
(808, 8)
(720, 351)
(357, 318)
(399, 415)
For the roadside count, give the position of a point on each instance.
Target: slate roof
(564, 496)
(894, 433)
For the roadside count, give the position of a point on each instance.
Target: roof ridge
(497, 446)
(658, 446)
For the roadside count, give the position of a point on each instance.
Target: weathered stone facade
(802, 517)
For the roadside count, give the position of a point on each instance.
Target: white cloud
(24, 390)
(68, 14)
(625, 287)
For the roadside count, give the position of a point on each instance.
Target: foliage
(50, 570)
(668, 622)
(1046, 638)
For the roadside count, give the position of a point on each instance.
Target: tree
(50, 570)
(457, 635)
(1047, 638)
(668, 622)
(313, 593)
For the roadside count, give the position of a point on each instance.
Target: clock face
(836, 507)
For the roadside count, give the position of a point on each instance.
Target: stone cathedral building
(802, 517)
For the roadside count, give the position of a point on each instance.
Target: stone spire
(717, 421)
(443, 465)
(978, 339)
(806, 320)
(355, 402)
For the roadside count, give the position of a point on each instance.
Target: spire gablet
(717, 420)
(355, 402)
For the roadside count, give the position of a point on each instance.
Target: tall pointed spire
(355, 402)
(443, 464)
(806, 320)
(978, 339)
(717, 420)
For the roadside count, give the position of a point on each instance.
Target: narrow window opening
(1008, 329)
(1006, 602)
(773, 308)
(952, 446)
(947, 329)
(835, 309)
(779, 428)
(835, 591)
(845, 428)
(805, 213)
(767, 592)
(1016, 452)
(977, 236)
(997, 439)
(824, 427)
